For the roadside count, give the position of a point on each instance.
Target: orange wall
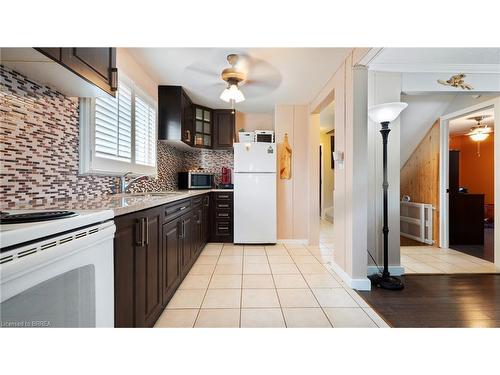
(476, 172)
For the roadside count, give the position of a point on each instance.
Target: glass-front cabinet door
(203, 124)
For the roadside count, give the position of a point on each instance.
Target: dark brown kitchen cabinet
(175, 115)
(223, 129)
(138, 268)
(197, 227)
(171, 258)
(187, 236)
(202, 126)
(221, 217)
(95, 65)
(154, 250)
(206, 219)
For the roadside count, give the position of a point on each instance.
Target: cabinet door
(197, 231)
(171, 258)
(148, 268)
(223, 129)
(187, 242)
(187, 122)
(96, 65)
(206, 219)
(124, 250)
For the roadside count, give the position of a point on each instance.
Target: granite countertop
(125, 203)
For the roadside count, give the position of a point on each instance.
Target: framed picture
(332, 145)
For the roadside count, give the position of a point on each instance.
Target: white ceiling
(287, 75)
(463, 124)
(327, 118)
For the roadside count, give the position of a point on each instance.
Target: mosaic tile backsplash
(39, 149)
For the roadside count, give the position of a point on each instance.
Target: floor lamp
(384, 114)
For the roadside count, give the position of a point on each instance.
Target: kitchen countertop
(122, 204)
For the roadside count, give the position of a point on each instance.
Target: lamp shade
(232, 93)
(479, 137)
(386, 112)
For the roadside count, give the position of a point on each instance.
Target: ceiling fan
(246, 76)
(479, 132)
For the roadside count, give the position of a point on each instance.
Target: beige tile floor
(286, 285)
(429, 259)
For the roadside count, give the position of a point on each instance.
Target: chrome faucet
(123, 186)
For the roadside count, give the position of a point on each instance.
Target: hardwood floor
(486, 251)
(467, 300)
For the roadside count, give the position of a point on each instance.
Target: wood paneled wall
(420, 175)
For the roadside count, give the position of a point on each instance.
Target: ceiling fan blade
(203, 71)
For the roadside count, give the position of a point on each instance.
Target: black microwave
(195, 180)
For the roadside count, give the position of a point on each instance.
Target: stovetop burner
(34, 216)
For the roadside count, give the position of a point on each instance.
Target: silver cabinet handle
(182, 208)
(140, 224)
(146, 225)
(223, 196)
(223, 228)
(223, 215)
(223, 205)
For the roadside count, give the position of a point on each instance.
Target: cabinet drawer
(224, 196)
(223, 228)
(223, 205)
(176, 209)
(223, 214)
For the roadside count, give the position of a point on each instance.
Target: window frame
(90, 163)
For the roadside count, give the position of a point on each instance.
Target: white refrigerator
(254, 193)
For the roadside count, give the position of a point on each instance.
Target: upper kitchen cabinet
(203, 126)
(96, 65)
(80, 72)
(223, 129)
(175, 115)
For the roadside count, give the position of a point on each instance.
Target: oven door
(64, 281)
(200, 181)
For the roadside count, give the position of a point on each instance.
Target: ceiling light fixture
(233, 76)
(232, 93)
(479, 133)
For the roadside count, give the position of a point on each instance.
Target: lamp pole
(383, 114)
(385, 185)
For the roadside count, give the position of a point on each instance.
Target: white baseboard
(294, 241)
(394, 270)
(358, 284)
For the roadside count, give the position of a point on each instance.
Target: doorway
(471, 188)
(432, 217)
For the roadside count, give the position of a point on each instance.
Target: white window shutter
(113, 125)
(145, 135)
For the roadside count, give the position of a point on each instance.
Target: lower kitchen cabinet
(221, 215)
(171, 259)
(138, 268)
(154, 249)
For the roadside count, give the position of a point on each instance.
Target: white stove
(58, 272)
(15, 234)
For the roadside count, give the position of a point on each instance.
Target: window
(118, 135)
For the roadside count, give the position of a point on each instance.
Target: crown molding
(436, 68)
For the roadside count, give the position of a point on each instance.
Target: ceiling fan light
(479, 137)
(226, 95)
(236, 94)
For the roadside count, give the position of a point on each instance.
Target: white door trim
(443, 173)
